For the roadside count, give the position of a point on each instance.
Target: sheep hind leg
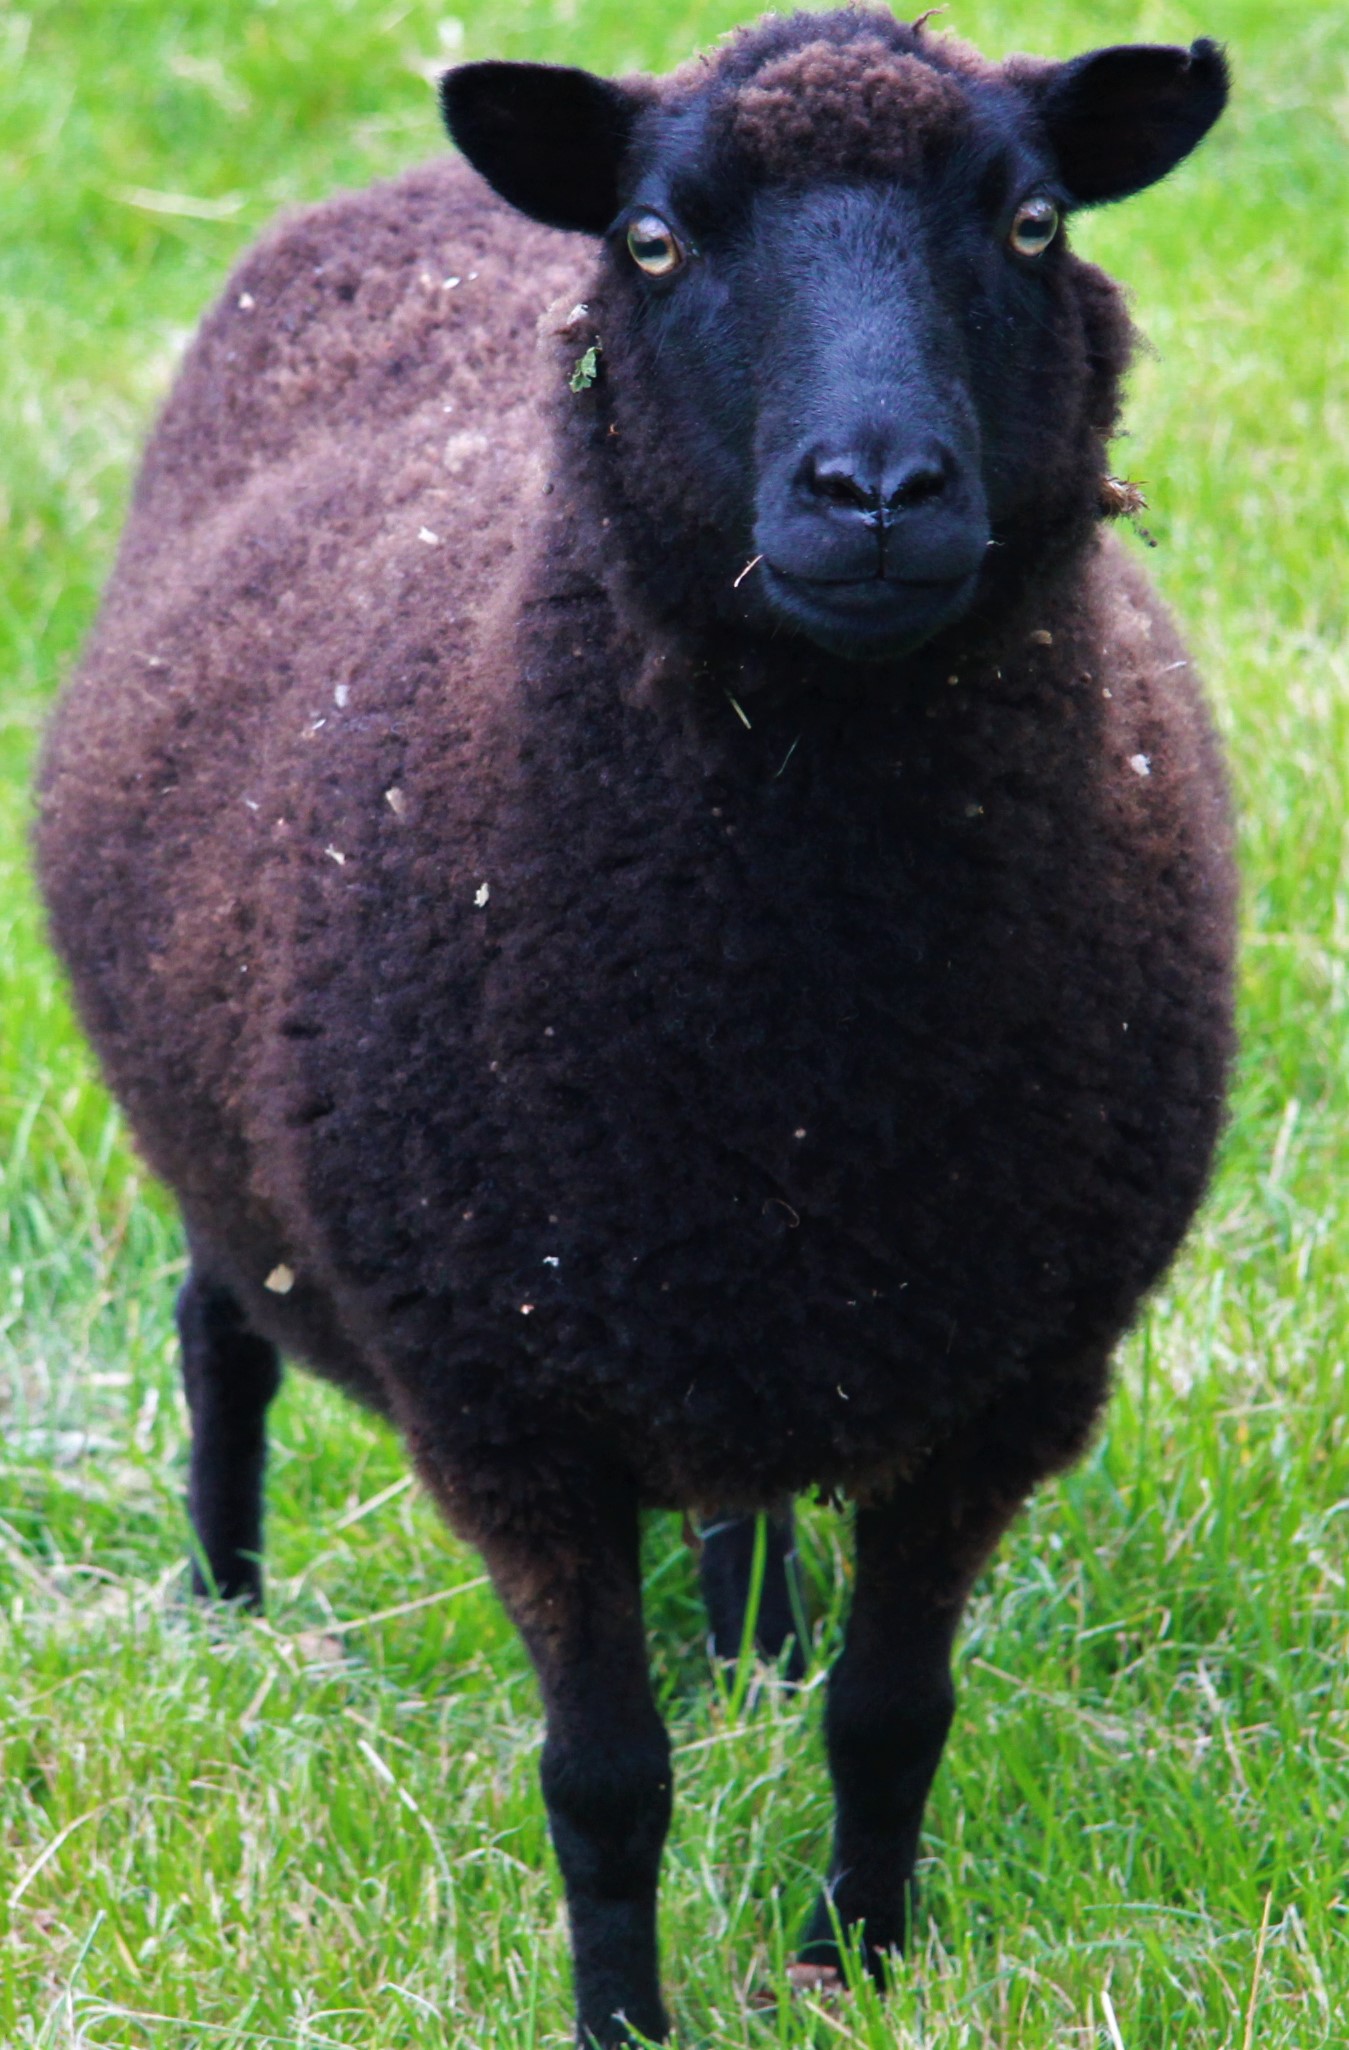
(726, 1571)
(229, 1376)
(574, 1593)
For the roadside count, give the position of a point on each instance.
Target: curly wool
(858, 110)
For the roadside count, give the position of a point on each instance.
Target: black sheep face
(843, 335)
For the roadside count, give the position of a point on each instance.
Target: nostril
(880, 488)
(916, 483)
(836, 480)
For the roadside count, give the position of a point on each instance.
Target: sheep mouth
(867, 619)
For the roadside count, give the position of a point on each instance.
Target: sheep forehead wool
(848, 93)
(857, 108)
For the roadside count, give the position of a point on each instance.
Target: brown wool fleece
(759, 1103)
(858, 110)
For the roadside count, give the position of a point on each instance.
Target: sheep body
(843, 1059)
(650, 1061)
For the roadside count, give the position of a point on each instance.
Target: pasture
(324, 1828)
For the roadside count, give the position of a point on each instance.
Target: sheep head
(843, 334)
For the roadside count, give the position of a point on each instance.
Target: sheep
(652, 877)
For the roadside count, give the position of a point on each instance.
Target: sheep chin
(873, 622)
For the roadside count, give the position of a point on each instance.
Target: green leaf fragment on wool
(587, 369)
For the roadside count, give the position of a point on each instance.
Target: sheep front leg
(606, 1775)
(890, 1693)
(891, 1702)
(229, 1376)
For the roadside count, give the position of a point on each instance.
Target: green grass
(322, 1830)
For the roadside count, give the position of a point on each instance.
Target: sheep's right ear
(548, 138)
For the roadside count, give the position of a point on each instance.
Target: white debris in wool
(341, 693)
(480, 895)
(246, 302)
(431, 540)
(333, 854)
(1141, 764)
(396, 801)
(281, 1280)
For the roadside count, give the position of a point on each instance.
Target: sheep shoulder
(411, 304)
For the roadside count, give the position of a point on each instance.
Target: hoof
(824, 1981)
(804, 1977)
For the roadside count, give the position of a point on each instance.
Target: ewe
(662, 898)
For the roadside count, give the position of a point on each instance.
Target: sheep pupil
(652, 247)
(1035, 226)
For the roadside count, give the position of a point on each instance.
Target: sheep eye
(1034, 227)
(653, 246)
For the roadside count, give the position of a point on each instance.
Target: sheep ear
(548, 138)
(1119, 119)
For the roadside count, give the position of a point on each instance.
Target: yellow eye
(653, 246)
(1034, 228)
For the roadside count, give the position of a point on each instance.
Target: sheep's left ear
(550, 139)
(1119, 119)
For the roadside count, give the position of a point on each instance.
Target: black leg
(229, 1376)
(890, 1694)
(606, 1758)
(889, 1708)
(726, 1567)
